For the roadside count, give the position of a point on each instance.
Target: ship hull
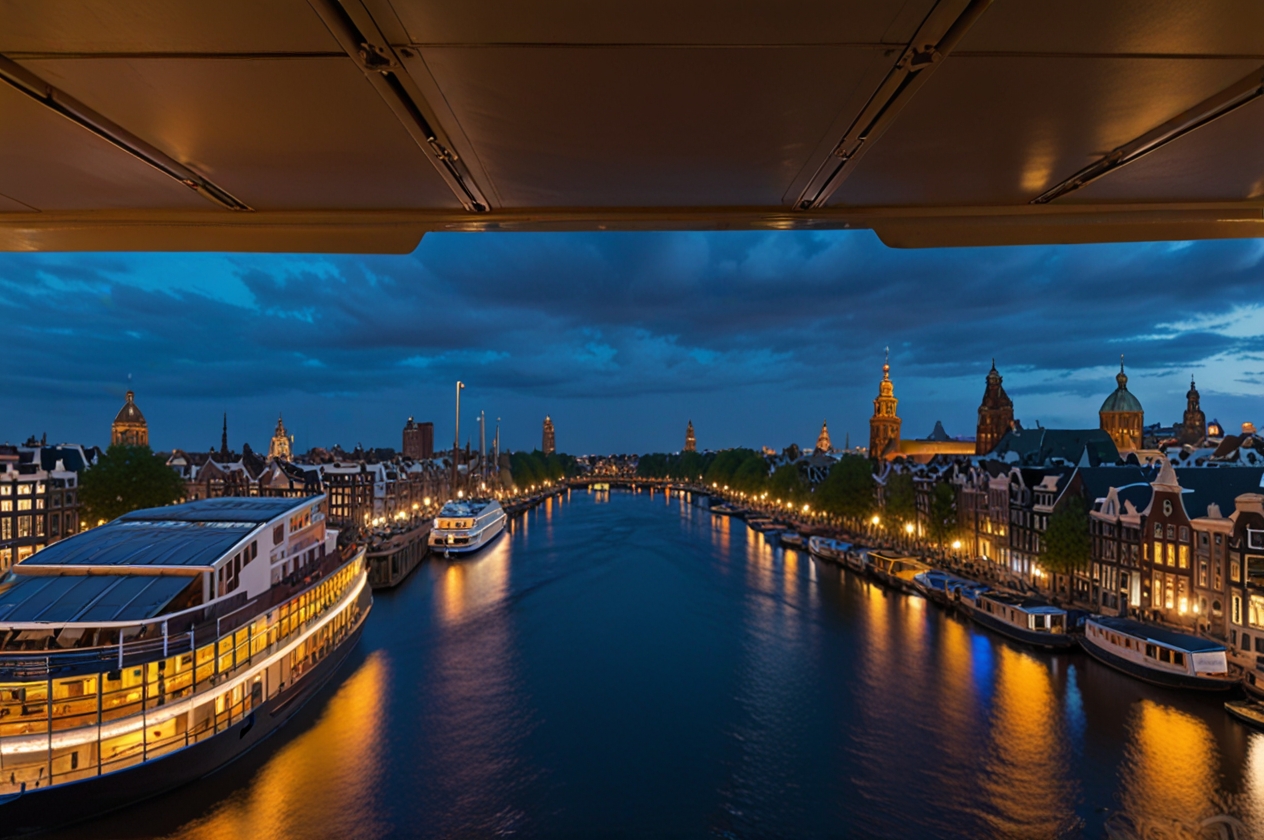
(1153, 676)
(36, 811)
(1047, 641)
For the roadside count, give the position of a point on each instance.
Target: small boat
(466, 525)
(828, 549)
(1247, 711)
(1157, 655)
(856, 558)
(1027, 620)
(791, 538)
(938, 585)
(723, 510)
(896, 571)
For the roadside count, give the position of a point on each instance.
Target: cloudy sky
(622, 337)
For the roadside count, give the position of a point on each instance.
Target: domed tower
(884, 426)
(129, 427)
(1121, 415)
(823, 445)
(279, 449)
(996, 414)
(691, 442)
(1194, 425)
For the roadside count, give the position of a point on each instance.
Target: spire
(886, 365)
(223, 440)
(1122, 378)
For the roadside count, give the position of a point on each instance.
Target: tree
(1067, 541)
(786, 483)
(127, 478)
(943, 512)
(848, 489)
(901, 498)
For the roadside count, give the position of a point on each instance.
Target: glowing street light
(875, 520)
(956, 545)
(908, 527)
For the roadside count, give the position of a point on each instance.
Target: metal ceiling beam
(359, 36)
(1218, 105)
(62, 103)
(938, 35)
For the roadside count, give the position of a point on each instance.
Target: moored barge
(1158, 655)
(146, 653)
(1027, 620)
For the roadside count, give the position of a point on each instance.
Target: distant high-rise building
(996, 414)
(1121, 415)
(129, 427)
(280, 448)
(823, 441)
(884, 426)
(691, 442)
(1194, 424)
(550, 443)
(418, 440)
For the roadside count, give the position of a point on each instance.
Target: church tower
(823, 445)
(550, 444)
(1194, 425)
(996, 414)
(884, 426)
(691, 443)
(129, 427)
(279, 449)
(1121, 415)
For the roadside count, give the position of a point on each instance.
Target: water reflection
(1169, 773)
(341, 757)
(1026, 789)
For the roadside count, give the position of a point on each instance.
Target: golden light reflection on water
(324, 783)
(1169, 770)
(1026, 785)
(468, 586)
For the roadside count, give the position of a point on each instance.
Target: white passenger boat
(146, 653)
(1157, 655)
(1027, 620)
(937, 585)
(896, 570)
(827, 549)
(466, 525)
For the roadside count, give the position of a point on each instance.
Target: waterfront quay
(633, 662)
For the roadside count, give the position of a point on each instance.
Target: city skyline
(348, 347)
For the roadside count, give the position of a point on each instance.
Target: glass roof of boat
(124, 543)
(258, 509)
(88, 598)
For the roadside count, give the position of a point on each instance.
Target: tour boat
(142, 655)
(466, 525)
(937, 585)
(1157, 655)
(1026, 620)
(827, 549)
(856, 558)
(896, 571)
(1247, 711)
(791, 538)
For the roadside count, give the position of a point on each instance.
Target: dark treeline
(530, 468)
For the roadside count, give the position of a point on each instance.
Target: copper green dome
(1122, 399)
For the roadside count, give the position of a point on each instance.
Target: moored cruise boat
(466, 525)
(1026, 620)
(937, 585)
(791, 538)
(896, 571)
(827, 549)
(1157, 655)
(146, 653)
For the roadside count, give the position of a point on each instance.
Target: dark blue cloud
(621, 337)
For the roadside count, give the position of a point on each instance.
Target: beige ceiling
(359, 125)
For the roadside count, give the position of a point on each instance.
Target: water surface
(629, 664)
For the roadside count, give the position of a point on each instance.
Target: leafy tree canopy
(848, 489)
(127, 478)
(943, 512)
(786, 483)
(1067, 540)
(901, 499)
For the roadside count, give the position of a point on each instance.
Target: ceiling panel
(49, 163)
(661, 21)
(645, 126)
(307, 133)
(1221, 161)
(161, 26)
(1002, 130)
(1168, 27)
(9, 205)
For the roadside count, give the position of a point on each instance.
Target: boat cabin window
(1165, 655)
(1038, 621)
(1152, 651)
(1178, 658)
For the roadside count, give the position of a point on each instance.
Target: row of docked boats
(1154, 654)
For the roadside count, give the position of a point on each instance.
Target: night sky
(622, 338)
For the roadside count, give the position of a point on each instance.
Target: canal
(627, 663)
